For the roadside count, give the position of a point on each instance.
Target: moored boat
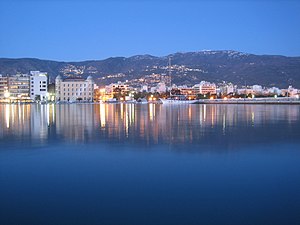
(178, 100)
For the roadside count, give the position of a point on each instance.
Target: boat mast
(170, 78)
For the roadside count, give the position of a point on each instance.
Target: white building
(207, 87)
(38, 85)
(293, 92)
(161, 88)
(257, 89)
(74, 89)
(274, 90)
(120, 87)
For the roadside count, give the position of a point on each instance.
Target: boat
(112, 100)
(142, 101)
(178, 99)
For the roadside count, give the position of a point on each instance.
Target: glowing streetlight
(6, 94)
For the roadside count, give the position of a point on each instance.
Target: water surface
(149, 164)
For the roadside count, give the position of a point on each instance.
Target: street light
(6, 94)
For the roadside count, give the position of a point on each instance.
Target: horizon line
(147, 54)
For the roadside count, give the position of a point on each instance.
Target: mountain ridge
(187, 68)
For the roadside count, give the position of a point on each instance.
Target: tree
(37, 98)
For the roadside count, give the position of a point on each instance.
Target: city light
(6, 94)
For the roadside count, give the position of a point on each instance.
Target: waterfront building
(245, 91)
(207, 88)
(3, 86)
(119, 88)
(274, 90)
(74, 89)
(18, 87)
(257, 89)
(188, 91)
(38, 85)
(161, 87)
(292, 92)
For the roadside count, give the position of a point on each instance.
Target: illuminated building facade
(207, 87)
(119, 87)
(18, 87)
(38, 85)
(74, 89)
(3, 86)
(188, 91)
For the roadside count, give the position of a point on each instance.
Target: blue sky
(80, 30)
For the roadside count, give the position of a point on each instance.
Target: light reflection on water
(150, 124)
(78, 164)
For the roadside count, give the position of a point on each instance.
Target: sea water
(149, 164)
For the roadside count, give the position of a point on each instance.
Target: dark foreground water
(149, 164)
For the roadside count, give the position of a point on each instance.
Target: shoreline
(255, 101)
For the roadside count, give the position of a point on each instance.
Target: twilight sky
(88, 29)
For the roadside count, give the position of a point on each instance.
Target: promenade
(283, 101)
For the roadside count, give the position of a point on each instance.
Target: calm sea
(149, 164)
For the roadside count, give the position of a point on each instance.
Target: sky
(78, 30)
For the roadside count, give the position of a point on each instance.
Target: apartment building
(3, 86)
(38, 85)
(207, 87)
(18, 87)
(74, 89)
